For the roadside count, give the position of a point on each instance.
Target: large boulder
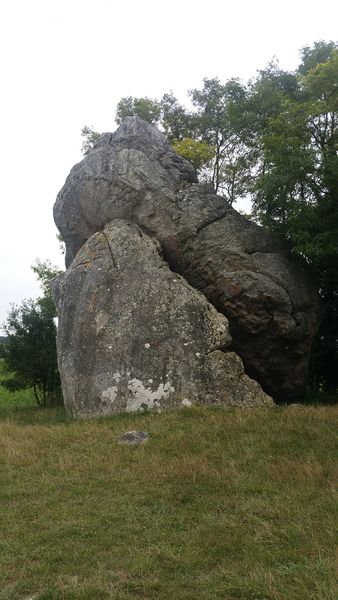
(133, 335)
(241, 268)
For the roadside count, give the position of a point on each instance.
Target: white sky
(67, 63)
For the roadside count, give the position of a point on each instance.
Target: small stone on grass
(134, 437)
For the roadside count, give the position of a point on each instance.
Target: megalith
(244, 271)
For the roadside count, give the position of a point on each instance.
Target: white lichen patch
(186, 402)
(117, 376)
(142, 397)
(147, 346)
(110, 394)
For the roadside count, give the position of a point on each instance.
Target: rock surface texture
(134, 218)
(134, 336)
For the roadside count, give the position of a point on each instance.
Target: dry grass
(220, 504)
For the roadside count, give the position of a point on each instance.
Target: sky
(67, 63)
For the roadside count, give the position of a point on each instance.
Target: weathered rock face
(268, 299)
(130, 174)
(134, 335)
(242, 269)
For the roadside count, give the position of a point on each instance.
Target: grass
(21, 406)
(220, 504)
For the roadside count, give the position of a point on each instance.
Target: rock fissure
(111, 251)
(85, 262)
(210, 222)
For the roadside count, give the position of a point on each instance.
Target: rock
(131, 174)
(241, 268)
(134, 336)
(134, 437)
(268, 298)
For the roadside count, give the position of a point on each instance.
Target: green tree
(176, 122)
(314, 55)
(216, 108)
(29, 354)
(145, 108)
(198, 153)
(295, 189)
(90, 137)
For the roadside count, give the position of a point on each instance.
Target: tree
(90, 137)
(145, 108)
(295, 188)
(176, 122)
(30, 351)
(315, 55)
(198, 153)
(214, 123)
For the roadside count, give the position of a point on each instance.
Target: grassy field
(220, 504)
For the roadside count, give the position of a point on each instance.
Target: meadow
(219, 504)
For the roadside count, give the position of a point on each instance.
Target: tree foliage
(295, 188)
(200, 154)
(176, 122)
(145, 108)
(214, 117)
(29, 354)
(90, 136)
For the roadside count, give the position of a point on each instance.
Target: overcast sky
(67, 63)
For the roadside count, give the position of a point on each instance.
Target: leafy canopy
(145, 108)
